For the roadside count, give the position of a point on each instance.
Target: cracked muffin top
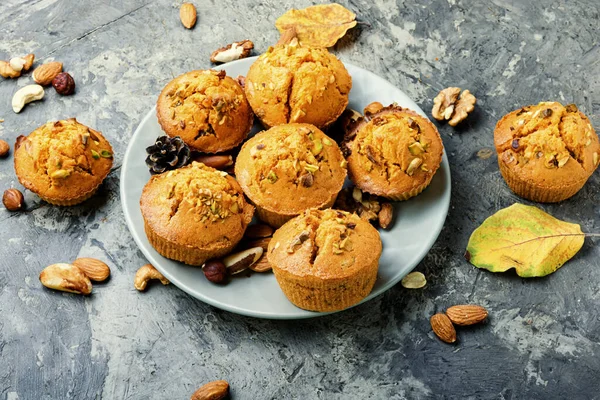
(547, 144)
(392, 152)
(196, 206)
(325, 244)
(293, 83)
(290, 168)
(207, 109)
(63, 161)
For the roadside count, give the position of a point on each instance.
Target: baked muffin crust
(207, 109)
(290, 168)
(546, 152)
(64, 162)
(291, 83)
(393, 152)
(194, 213)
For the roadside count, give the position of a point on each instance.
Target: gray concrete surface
(542, 340)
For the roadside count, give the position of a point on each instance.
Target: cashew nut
(146, 273)
(26, 95)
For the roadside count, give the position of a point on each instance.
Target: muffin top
(207, 109)
(324, 244)
(196, 206)
(290, 168)
(392, 151)
(63, 160)
(292, 83)
(548, 143)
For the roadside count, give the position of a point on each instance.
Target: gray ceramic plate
(418, 221)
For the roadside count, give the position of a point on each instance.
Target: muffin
(207, 109)
(546, 152)
(194, 213)
(288, 169)
(293, 83)
(63, 162)
(392, 152)
(325, 260)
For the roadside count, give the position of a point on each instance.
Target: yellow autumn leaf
(525, 238)
(318, 26)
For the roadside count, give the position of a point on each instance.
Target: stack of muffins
(291, 173)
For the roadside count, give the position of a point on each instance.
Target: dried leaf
(318, 26)
(525, 238)
(414, 280)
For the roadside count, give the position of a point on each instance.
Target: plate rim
(257, 313)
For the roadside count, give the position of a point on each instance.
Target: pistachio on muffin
(288, 169)
(392, 152)
(325, 260)
(546, 152)
(63, 162)
(293, 83)
(207, 109)
(194, 213)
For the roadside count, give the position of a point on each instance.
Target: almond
(219, 162)
(386, 215)
(466, 314)
(258, 231)
(65, 277)
(262, 265)
(216, 390)
(94, 269)
(263, 242)
(187, 14)
(45, 73)
(443, 328)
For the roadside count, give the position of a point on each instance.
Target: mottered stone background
(543, 335)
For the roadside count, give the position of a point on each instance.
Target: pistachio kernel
(318, 146)
(272, 177)
(416, 148)
(95, 154)
(311, 168)
(60, 174)
(105, 154)
(327, 142)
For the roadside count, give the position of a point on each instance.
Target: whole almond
(263, 242)
(258, 231)
(262, 265)
(466, 314)
(187, 14)
(386, 214)
(443, 328)
(215, 390)
(45, 73)
(215, 161)
(67, 278)
(93, 268)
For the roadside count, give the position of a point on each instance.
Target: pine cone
(167, 154)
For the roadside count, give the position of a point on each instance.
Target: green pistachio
(95, 154)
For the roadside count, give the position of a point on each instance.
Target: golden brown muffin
(325, 260)
(194, 213)
(292, 83)
(392, 152)
(546, 152)
(207, 109)
(288, 169)
(63, 162)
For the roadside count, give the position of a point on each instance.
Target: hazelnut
(4, 148)
(12, 200)
(215, 271)
(64, 84)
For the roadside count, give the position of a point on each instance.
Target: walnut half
(447, 105)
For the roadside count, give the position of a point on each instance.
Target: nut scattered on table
(216, 390)
(64, 84)
(16, 66)
(233, 51)
(215, 271)
(188, 15)
(448, 106)
(93, 268)
(414, 280)
(145, 274)
(26, 95)
(66, 278)
(45, 73)
(238, 262)
(466, 314)
(443, 328)
(12, 199)
(7, 72)
(4, 148)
